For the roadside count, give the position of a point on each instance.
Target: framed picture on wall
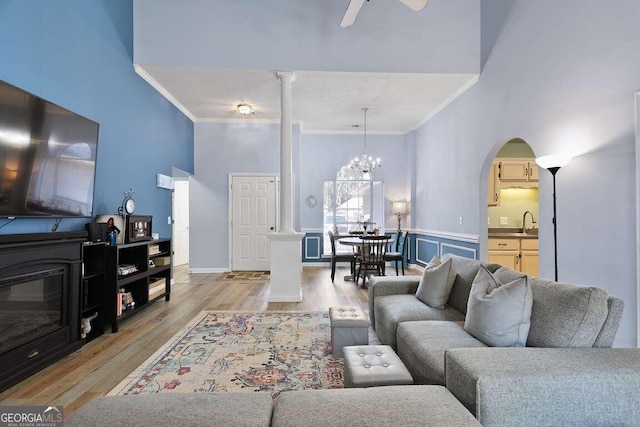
(118, 224)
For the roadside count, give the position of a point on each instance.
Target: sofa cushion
(466, 269)
(547, 386)
(380, 406)
(499, 314)
(436, 283)
(391, 310)
(422, 345)
(563, 315)
(233, 409)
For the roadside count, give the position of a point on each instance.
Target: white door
(253, 215)
(180, 222)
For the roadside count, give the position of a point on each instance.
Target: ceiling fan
(354, 7)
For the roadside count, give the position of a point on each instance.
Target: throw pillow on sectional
(499, 314)
(436, 283)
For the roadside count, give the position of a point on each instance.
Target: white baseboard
(209, 270)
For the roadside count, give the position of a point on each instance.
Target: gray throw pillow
(436, 283)
(499, 314)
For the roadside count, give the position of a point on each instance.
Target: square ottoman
(373, 365)
(349, 326)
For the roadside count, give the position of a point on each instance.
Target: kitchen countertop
(512, 233)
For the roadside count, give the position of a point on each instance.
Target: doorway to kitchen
(513, 208)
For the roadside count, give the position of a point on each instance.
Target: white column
(286, 166)
(286, 249)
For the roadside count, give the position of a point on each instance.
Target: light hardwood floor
(101, 364)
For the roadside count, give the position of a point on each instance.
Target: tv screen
(47, 157)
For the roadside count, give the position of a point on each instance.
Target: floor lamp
(553, 164)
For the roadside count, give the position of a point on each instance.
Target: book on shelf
(154, 249)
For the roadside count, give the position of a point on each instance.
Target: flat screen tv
(47, 157)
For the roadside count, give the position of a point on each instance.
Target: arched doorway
(513, 208)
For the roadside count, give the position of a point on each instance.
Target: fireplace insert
(39, 301)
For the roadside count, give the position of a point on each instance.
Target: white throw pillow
(436, 283)
(499, 314)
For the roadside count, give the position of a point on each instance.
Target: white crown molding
(164, 92)
(474, 79)
(469, 238)
(243, 120)
(354, 132)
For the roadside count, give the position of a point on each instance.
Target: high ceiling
(207, 80)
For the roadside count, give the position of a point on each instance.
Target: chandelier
(364, 163)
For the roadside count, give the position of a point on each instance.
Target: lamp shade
(399, 207)
(553, 161)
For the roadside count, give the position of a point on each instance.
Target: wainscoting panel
(424, 245)
(312, 248)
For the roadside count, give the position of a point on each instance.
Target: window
(349, 200)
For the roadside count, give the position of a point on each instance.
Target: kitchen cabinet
(514, 253)
(514, 171)
(505, 252)
(493, 191)
(529, 259)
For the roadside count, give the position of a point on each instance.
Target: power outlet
(461, 220)
(504, 220)
(169, 220)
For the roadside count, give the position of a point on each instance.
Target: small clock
(128, 204)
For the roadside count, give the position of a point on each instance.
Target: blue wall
(78, 54)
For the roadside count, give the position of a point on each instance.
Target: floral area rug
(228, 351)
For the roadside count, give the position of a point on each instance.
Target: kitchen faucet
(524, 224)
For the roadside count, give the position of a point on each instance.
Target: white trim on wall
(637, 125)
(462, 248)
(418, 240)
(306, 247)
(157, 86)
(469, 238)
(209, 270)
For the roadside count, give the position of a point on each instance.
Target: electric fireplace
(39, 301)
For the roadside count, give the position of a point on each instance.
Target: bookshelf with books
(138, 274)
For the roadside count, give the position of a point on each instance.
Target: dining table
(357, 244)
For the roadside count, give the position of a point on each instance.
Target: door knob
(272, 228)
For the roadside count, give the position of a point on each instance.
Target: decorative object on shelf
(112, 222)
(553, 163)
(85, 325)
(365, 163)
(128, 204)
(139, 227)
(399, 208)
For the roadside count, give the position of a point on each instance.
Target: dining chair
(342, 256)
(371, 257)
(398, 256)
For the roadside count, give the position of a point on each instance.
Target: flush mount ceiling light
(245, 109)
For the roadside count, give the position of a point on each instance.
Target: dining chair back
(400, 252)
(340, 257)
(371, 257)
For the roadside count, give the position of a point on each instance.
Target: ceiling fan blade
(416, 5)
(352, 12)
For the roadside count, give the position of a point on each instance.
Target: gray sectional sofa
(406, 406)
(567, 374)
